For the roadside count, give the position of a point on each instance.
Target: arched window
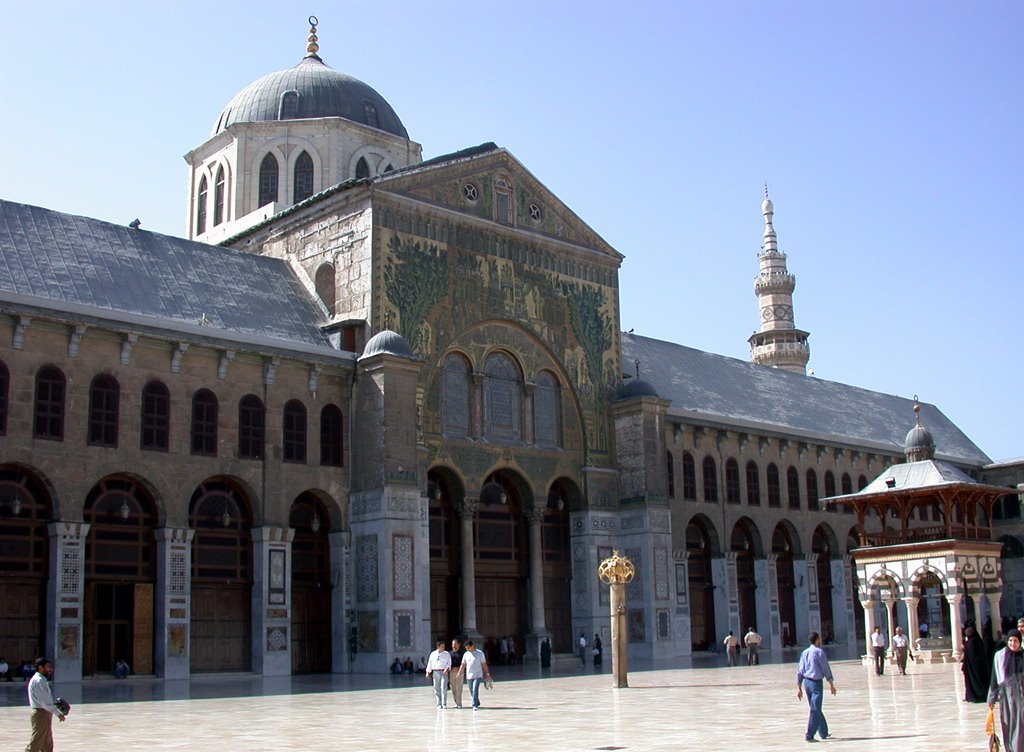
(812, 489)
(710, 472)
(201, 207)
(268, 180)
(5, 383)
(502, 202)
(370, 115)
(49, 406)
(332, 437)
(862, 482)
(689, 478)
(753, 485)
(503, 395)
(325, 286)
(830, 483)
(303, 177)
(218, 197)
(104, 398)
(288, 109)
(774, 492)
(732, 481)
(670, 474)
(156, 417)
(251, 425)
(793, 487)
(455, 396)
(362, 168)
(121, 517)
(204, 423)
(846, 484)
(294, 432)
(547, 411)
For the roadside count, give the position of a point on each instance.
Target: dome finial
(312, 47)
(917, 411)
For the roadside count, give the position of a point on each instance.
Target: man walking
(583, 648)
(878, 645)
(811, 671)
(732, 646)
(753, 642)
(901, 647)
(455, 675)
(40, 699)
(475, 671)
(438, 666)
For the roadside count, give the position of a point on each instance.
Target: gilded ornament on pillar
(616, 569)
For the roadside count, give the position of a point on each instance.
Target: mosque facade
(372, 400)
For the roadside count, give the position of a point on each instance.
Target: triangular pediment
(488, 183)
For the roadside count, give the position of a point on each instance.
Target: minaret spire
(778, 343)
(312, 47)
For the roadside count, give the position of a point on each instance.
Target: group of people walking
(751, 641)
(455, 668)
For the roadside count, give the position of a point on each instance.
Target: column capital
(910, 600)
(954, 599)
(273, 534)
(534, 515)
(174, 534)
(467, 507)
(68, 530)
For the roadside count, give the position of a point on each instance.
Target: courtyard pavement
(708, 707)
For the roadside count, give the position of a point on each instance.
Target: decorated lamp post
(616, 571)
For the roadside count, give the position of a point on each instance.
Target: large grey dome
(320, 91)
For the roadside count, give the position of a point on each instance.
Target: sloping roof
(916, 475)
(717, 389)
(99, 267)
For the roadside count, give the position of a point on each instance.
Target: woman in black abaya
(1007, 688)
(976, 667)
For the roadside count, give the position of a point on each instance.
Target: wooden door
(142, 629)
(745, 585)
(21, 625)
(558, 613)
(311, 630)
(221, 628)
(500, 610)
(444, 614)
(702, 601)
(787, 603)
(824, 567)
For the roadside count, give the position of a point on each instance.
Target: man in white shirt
(474, 670)
(438, 666)
(878, 645)
(901, 648)
(40, 699)
(583, 648)
(732, 646)
(753, 642)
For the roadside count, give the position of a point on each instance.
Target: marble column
(172, 607)
(65, 599)
(271, 600)
(341, 646)
(978, 621)
(995, 608)
(731, 577)
(766, 605)
(890, 614)
(538, 628)
(956, 625)
(467, 512)
(869, 626)
(913, 628)
(774, 630)
(813, 593)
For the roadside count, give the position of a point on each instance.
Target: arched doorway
(120, 563)
(221, 578)
(700, 545)
(821, 544)
(742, 544)
(311, 586)
(25, 509)
(563, 496)
(784, 548)
(932, 608)
(443, 488)
(501, 561)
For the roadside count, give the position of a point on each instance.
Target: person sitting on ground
(27, 670)
(422, 665)
(5, 669)
(396, 667)
(122, 669)
(407, 666)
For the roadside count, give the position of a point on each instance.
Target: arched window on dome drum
(289, 107)
(294, 432)
(689, 477)
(753, 485)
(774, 492)
(812, 489)
(201, 207)
(388, 168)
(218, 197)
(325, 286)
(332, 437)
(104, 398)
(251, 424)
(5, 382)
(732, 481)
(793, 487)
(370, 115)
(303, 177)
(362, 168)
(503, 399)
(710, 472)
(455, 397)
(670, 473)
(268, 180)
(49, 405)
(156, 417)
(204, 423)
(547, 411)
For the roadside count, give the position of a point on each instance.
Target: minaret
(779, 343)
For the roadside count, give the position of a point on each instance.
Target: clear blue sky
(889, 134)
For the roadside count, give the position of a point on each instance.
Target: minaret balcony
(775, 284)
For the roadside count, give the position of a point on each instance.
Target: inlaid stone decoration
(177, 640)
(403, 630)
(661, 615)
(366, 568)
(603, 589)
(635, 588)
(591, 325)
(368, 630)
(416, 278)
(70, 568)
(635, 625)
(403, 577)
(178, 579)
(277, 639)
(661, 574)
(68, 642)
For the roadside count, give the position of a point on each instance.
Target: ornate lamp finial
(766, 189)
(616, 569)
(312, 47)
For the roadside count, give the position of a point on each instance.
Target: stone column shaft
(65, 599)
(173, 602)
(535, 519)
(994, 607)
(619, 634)
(466, 514)
(271, 600)
(913, 627)
(956, 625)
(869, 626)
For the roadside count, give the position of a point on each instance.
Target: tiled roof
(96, 266)
(720, 390)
